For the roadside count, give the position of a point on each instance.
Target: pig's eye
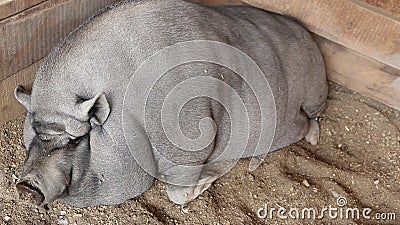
(75, 140)
(45, 137)
(72, 137)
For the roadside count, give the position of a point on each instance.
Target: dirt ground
(355, 166)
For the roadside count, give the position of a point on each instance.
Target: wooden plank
(351, 23)
(390, 6)
(219, 2)
(362, 74)
(11, 7)
(29, 36)
(10, 108)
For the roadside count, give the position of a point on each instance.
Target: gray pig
(88, 142)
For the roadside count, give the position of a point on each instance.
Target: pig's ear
(22, 97)
(96, 109)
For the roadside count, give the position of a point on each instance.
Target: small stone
(7, 218)
(251, 177)
(15, 178)
(184, 209)
(343, 147)
(305, 182)
(376, 182)
(62, 221)
(335, 194)
(41, 210)
(62, 213)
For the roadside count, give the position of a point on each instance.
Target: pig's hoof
(183, 195)
(312, 136)
(202, 186)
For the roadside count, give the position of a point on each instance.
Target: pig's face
(58, 149)
(50, 168)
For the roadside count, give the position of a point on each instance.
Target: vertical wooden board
(29, 36)
(362, 74)
(351, 23)
(11, 7)
(10, 108)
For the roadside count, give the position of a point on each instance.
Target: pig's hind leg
(313, 106)
(312, 136)
(182, 195)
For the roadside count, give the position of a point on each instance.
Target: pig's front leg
(184, 194)
(184, 176)
(200, 180)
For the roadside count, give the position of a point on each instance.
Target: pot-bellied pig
(169, 90)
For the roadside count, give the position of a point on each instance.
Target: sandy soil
(357, 162)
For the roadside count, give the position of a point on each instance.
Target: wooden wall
(360, 40)
(28, 30)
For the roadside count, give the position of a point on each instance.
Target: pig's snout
(43, 186)
(41, 191)
(33, 192)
